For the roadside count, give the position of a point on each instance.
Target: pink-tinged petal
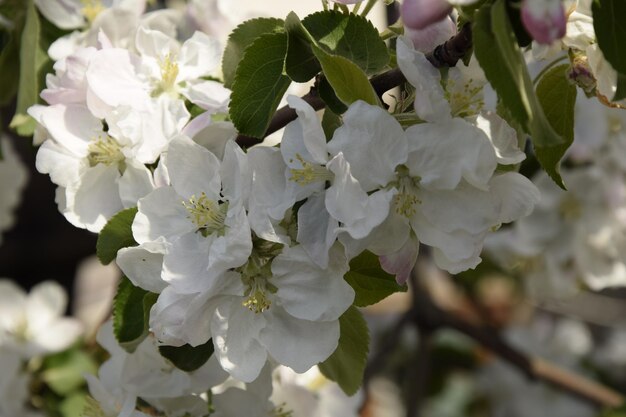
(418, 14)
(401, 263)
(425, 40)
(545, 20)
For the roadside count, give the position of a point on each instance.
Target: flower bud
(425, 40)
(418, 14)
(545, 20)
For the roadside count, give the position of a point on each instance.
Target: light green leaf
(347, 364)
(347, 79)
(115, 235)
(63, 372)
(506, 70)
(187, 357)
(242, 37)
(131, 314)
(73, 405)
(557, 97)
(610, 28)
(369, 281)
(259, 84)
(350, 36)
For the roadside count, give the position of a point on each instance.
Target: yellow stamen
(104, 150)
(405, 201)
(257, 300)
(169, 74)
(208, 215)
(309, 173)
(91, 9)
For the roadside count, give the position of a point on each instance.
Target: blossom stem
(368, 7)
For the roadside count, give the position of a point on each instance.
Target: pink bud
(425, 40)
(545, 20)
(418, 14)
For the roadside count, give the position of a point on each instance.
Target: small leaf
(505, 68)
(33, 60)
(188, 358)
(557, 97)
(115, 235)
(242, 37)
(350, 36)
(259, 84)
(369, 281)
(64, 371)
(347, 364)
(131, 314)
(328, 96)
(610, 29)
(349, 82)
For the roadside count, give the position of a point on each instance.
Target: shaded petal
(401, 263)
(161, 215)
(193, 169)
(142, 267)
(316, 229)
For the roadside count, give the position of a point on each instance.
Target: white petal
(401, 263)
(63, 166)
(185, 266)
(373, 142)
(234, 248)
(516, 195)
(306, 136)
(193, 169)
(142, 267)
(209, 95)
(199, 56)
(73, 126)
(235, 331)
(161, 215)
(298, 344)
(316, 229)
(443, 153)
(309, 292)
(502, 136)
(430, 103)
(45, 303)
(136, 182)
(58, 335)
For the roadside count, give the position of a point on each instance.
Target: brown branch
(443, 55)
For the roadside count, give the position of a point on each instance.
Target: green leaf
(73, 405)
(557, 97)
(499, 56)
(188, 358)
(330, 122)
(33, 60)
(348, 80)
(259, 84)
(64, 371)
(115, 235)
(350, 36)
(369, 281)
(242, 37)
(9, 68)
(131, 314)
(300, 62)
(328, 96)
(347, 364)
(610, 28)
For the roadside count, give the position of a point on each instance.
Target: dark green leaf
(349, 81)
(610, 28)
(347, 364)
(187, 357)
(115, 235)
(300, 62)
(259, 84)
(240, 39)
(557, 97)
(328, 96)
(33, 60)
(131, 314)
(330, 122)
(10, 69)
(350, 36)
(499, 56)
(369, 281)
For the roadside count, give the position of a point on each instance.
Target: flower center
(209, 216)
(104, 150)
(169, 73)
(405, 201)
(256, 275)
(465, 100)
(280, 411)
(309, 172)
(91, 9)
